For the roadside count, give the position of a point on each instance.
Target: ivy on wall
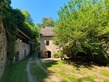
(13, 19)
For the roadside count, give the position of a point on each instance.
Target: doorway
(48, 54)
(17, 57)
(24, 53)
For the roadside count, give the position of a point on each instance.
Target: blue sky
(40, 8)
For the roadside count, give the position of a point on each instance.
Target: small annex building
(47, 47)
(23, 45)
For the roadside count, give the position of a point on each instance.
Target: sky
(40, 8)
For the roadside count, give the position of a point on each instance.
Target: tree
(27, 16)
(47, 22)
(29, 27)
(83, 26)
(38, 25)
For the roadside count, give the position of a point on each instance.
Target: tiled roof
(47, 31)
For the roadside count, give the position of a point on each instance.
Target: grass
(15, 73)
(38, 73)
(89, 78)
(63, 71)
(105, 73)
(69, 73)
(106, 80)
(59, 70)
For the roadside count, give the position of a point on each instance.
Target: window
(47, 42)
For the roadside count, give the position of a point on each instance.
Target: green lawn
(38, 73)
(105, 73)
(15, 73)
(63, 71)
(60, 71)
(69, 73)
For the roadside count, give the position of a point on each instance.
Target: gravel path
(50, 75)
(38, 63)
(30, 77)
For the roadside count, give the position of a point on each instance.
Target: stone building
(47, 47)
(22, 45)
(3, 48)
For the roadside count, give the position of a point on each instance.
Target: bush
(57, 55)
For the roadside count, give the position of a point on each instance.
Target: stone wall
(3, 48)
(22, 50)
(51, 47)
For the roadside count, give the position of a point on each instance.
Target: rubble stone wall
(3, 48)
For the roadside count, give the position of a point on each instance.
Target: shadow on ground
(79, 64)
(43, 75)
(49, 63)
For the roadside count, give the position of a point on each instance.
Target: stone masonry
(51, 47)
(47, 47)
(3, 49)
(22, 49)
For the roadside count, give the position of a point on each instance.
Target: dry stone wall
(3, 49)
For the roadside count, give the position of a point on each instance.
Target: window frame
(47, 42)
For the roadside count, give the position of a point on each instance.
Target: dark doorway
(17, 57)
(49, 54)
(24, 53)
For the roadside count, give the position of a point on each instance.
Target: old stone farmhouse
(47, 48)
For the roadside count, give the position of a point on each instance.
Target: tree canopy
(47, 22)
(27, 26)
(83, 26)
(15, 18)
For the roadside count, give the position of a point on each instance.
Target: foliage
(13, 19)
(19, 19)
(10, 25)
(27, 16)
(56, 55)
(48, 22)
(83, 27)
(27, 26)
(38, 25)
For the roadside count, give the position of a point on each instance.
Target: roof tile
(47, 31)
